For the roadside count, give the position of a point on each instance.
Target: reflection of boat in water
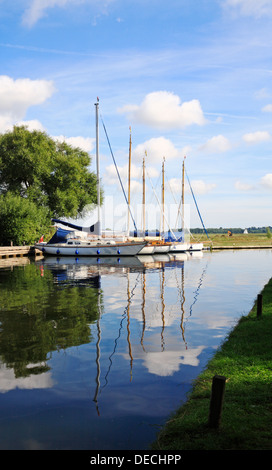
(155, 307)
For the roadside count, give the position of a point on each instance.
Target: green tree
(21, 220)
(51, 174)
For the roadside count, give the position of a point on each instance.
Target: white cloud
(158, 148)
(174, 185)
(16, 96)
(33, 125)
(84, 143)
(255, 8)
(217, 144)
(262, 94)
(111, 176)
(267, 108)
(266, 181)
(37, 8)
(257, 137)
(240, 186)
(199, 186)
(164, 110)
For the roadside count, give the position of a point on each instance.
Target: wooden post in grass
(216, 402)
(259, 305)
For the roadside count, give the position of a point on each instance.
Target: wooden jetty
(18, 251)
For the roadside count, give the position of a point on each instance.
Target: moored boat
(88, 241)
(75, 247)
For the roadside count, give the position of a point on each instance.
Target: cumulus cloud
(217, 144)
(158, 148)
(267, 108)
(253, 8)
(111, 177)
(84, 143)
(199, 187)
(16, 96)
(164, 110)
(256, 137)
(266, 181)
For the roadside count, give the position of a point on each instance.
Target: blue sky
(189, 77)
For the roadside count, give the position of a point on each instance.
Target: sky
(186, 78)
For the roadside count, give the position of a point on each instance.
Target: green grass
(250, 239)
(245, 359)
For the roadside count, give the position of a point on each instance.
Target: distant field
(250, 239)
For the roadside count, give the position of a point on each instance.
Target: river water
(97, 354)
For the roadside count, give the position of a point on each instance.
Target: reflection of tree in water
(38, 316)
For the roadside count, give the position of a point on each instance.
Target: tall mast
(144, 195)
(97, 169)
(129, 175)
(182, 197)
(163, 194)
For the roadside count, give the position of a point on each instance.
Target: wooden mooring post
(216, 402)
(259, 305)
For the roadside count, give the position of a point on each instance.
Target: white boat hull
(196, 247)
(161, 248)
(179, 247)
(147, 250)
(118, 249)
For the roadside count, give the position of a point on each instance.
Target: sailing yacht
(88, 241)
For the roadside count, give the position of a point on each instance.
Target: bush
(21, 221)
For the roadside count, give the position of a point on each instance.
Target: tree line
(238, 230)
(40, 178)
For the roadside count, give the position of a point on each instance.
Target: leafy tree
(21, 220)
(49, 173)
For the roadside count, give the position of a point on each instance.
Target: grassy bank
(250, 239)
(245, 359)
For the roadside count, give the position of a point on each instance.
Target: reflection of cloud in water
(8, 381)
(165, 363)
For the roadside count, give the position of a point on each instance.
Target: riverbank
(245, 359)
(242, 240)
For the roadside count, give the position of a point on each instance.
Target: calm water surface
(97, 355)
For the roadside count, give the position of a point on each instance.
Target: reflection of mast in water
(162, 285)
(120, 329)
(182, 295)
(128, 329)
(198, 288)
(181, 291)
(143, 308)
(98, 354)
(163, 308)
